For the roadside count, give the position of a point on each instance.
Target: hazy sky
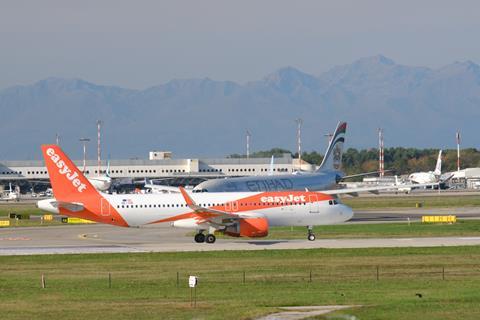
(137, 44)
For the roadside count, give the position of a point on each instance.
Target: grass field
(144, 286)
(20, 208)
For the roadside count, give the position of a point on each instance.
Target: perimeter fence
(272, 275)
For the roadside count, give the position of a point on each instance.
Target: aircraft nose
(347, 212)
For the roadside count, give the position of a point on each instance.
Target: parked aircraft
(246, 214)
(102, 182)
(10, 195)
(325, 177)
(430, 176)
(159, 188)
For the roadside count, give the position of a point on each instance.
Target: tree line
(400, 160)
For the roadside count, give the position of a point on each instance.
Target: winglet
(187, 198)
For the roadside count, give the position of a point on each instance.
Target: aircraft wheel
(199, 238)
(311, 237)
(210, 238)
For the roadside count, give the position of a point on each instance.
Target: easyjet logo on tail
(63, 169)
(283, 199)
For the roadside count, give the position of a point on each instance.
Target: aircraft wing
(209, 213)
(375, 189)
(363, 174)
(162, 188)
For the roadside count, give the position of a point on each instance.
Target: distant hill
(417, 107)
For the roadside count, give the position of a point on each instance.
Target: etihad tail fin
(70, 186)
(333, 156)
(438, 167)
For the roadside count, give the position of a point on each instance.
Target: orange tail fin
(71, 186)
(68, 183)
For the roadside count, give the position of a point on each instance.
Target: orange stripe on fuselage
(256, 202)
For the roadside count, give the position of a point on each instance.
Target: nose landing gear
(311, 235)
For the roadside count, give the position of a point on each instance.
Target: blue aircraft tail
(333, 156)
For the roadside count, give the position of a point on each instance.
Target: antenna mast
(99, 163)
(381, 164)
(299, 122)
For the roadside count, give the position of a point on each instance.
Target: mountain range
(416, 106)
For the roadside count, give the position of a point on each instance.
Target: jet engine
(248, 227)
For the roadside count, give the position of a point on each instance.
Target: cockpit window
(333, 202)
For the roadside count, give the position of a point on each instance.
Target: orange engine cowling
(248, 227)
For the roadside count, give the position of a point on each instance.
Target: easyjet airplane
(239, 214)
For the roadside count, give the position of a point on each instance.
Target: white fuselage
(423, 177)
(142, 209)
(101, 183)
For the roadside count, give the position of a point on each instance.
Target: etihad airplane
(325, 177)
(430, 176)
(238, 214)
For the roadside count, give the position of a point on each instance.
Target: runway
(71, 239)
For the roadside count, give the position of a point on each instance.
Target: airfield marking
(15, 239)
(302, 312)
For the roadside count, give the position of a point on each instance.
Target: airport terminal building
(160, 166)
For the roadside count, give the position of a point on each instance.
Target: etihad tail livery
(245, 214)
(325, 177)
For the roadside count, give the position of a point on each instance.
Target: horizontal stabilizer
(70, 206)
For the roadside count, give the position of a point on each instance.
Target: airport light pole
(84, 142)
(248, 144)
(458, 150)
(329, 137)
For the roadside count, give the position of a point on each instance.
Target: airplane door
(313, 203)
(231, 206)
(104, 207)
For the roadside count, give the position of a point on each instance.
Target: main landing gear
(200, 238)
(210, 238)
(311, 235)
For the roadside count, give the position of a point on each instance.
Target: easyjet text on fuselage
(283, 199)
